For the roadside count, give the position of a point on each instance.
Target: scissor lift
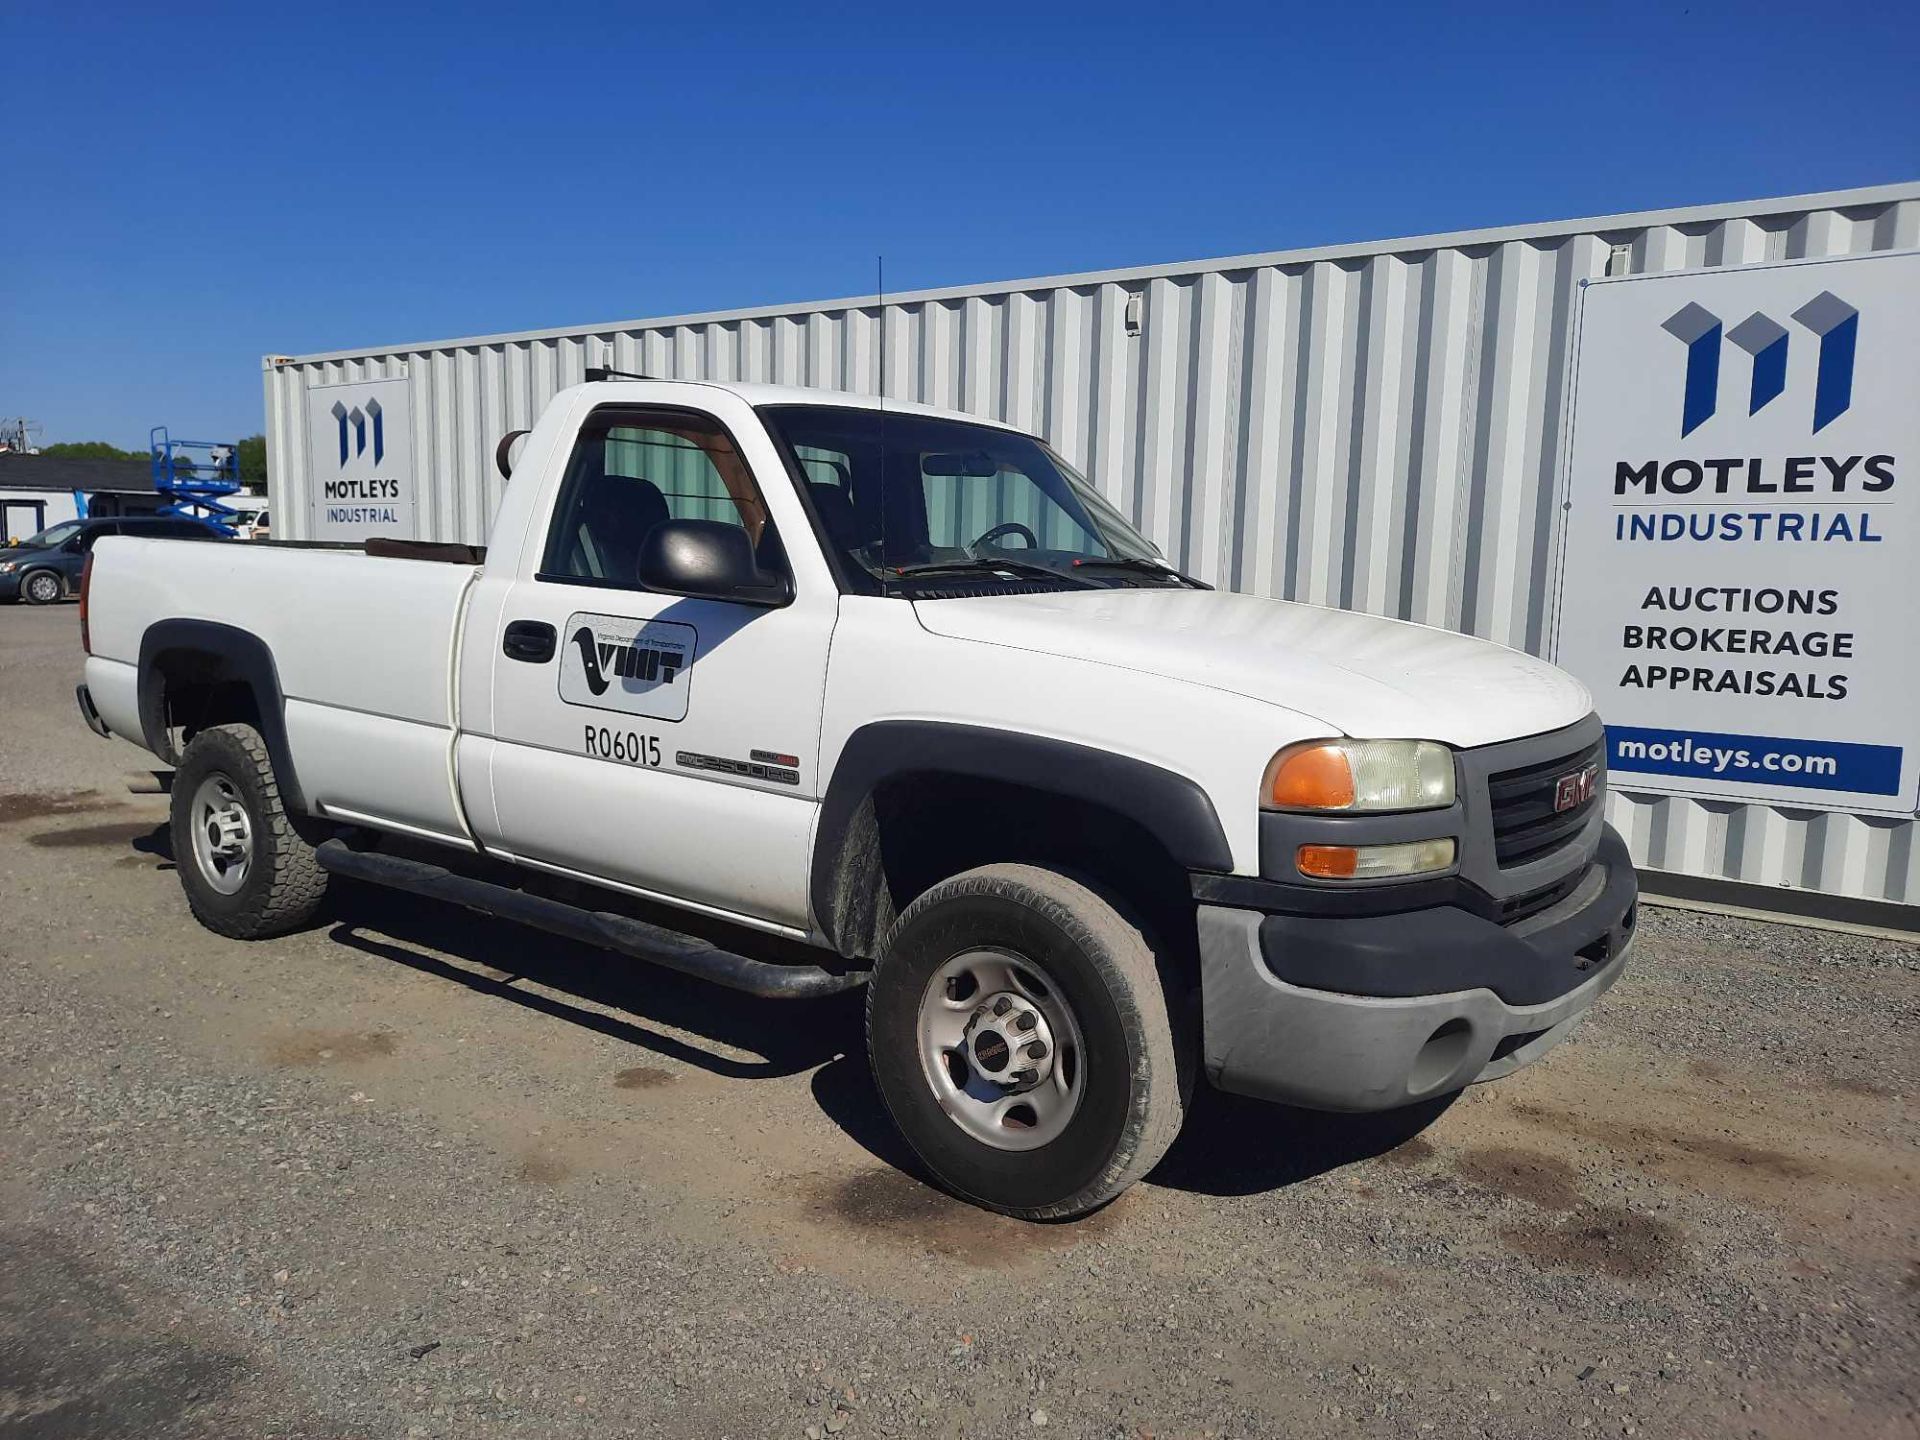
(194, 477)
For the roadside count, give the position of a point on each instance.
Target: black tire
(35, 588)
(1135, 1066)
(283, 884)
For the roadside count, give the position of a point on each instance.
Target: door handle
(528, 640)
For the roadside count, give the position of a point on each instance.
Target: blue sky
(189, 188)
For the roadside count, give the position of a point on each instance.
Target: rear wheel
(1020, 1036)
(246, 871)
(42, 587)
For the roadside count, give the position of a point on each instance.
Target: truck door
(666, 744)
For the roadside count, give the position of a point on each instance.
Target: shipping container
(1376, 426)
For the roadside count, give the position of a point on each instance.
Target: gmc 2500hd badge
(635, 667)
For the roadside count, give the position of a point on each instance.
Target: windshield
(894, 491)
(53, 537)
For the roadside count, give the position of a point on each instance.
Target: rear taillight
(86, 579)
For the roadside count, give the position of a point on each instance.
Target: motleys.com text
(1803, 764)
(1721, 758)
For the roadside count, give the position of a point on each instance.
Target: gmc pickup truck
(900, 686)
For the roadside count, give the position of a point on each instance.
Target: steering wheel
(1005, 527)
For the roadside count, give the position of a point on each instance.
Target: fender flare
(226, 653)
(1170, 806)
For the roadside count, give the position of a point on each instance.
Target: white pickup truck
(900, 685)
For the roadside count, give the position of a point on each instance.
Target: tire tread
(1100, 926)
(298, 884)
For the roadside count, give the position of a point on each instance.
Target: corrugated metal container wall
(1370, 426)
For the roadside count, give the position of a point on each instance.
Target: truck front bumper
(1328, 1050)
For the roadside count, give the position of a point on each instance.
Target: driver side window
(632, 470)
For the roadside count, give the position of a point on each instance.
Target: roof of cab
(757, 394)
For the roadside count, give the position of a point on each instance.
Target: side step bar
(685, 953)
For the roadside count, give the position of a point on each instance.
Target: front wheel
(1020, 1035)
(42, 587)
(246, 870)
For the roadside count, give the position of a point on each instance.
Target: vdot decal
(635, 667)
(1831, 320)
(604, 661)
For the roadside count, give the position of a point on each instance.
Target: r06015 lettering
(626, 746)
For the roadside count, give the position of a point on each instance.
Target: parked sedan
(45, 567)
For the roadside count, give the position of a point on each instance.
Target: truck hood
(1358, 674)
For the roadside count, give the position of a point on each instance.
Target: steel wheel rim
(981, 1016)
(222, 834)
(42, 587)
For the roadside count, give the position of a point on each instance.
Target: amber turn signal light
(1311, 777)
(1329, 862)
(1359, 776)
(1375, 862)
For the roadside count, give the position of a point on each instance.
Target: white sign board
(1740, 577)
(360, 460)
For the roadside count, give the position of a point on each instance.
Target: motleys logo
(354, 424)
(602, 661)
(1832, 320)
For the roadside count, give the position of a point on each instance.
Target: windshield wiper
(1143, 564)
(988, 567)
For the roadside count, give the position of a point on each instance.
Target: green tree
(253, 463)
(90, 450)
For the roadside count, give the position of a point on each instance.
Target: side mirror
(708, 560)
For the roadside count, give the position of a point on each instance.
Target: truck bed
(363, 646)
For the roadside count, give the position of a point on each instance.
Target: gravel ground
(415, 1173)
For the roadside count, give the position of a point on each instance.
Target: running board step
(653, 943)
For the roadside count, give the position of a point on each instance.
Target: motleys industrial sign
(1739, 576)
(360, 460)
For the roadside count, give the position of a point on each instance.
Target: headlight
(7, 567)
(1352, 776)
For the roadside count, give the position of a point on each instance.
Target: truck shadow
(623, 999)
(1229, 1145)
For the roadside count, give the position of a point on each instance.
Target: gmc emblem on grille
(1575, 789)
